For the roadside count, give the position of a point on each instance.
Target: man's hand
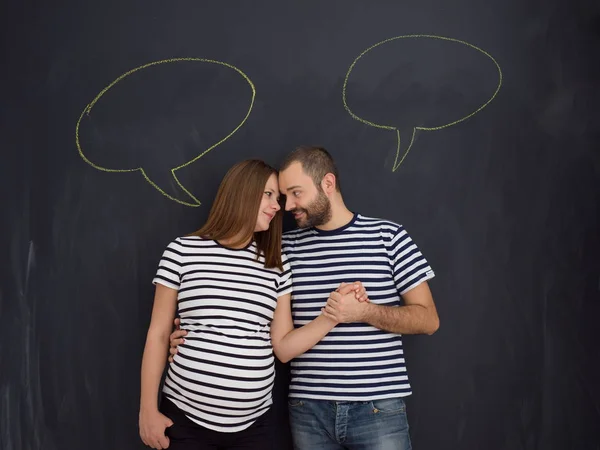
(175, 339)
(344, 308)
(357, 287)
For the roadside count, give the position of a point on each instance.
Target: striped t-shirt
(222, 375)
(355, 361)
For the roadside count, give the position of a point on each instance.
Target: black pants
(187, 435)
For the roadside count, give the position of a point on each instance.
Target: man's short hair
(316, 163)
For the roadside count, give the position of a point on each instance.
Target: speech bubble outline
(388, 127)
(89, 107)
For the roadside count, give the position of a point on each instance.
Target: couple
(243, 292)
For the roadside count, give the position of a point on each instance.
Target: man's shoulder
(377, 223)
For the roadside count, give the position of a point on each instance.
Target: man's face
(307, 202)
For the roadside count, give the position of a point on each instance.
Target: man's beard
(317, 213)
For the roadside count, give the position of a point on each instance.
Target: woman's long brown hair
(235, 210)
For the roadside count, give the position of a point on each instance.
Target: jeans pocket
(295, 403)
(389, 406)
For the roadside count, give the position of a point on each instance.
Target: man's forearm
(408, 319)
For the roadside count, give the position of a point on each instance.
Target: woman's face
(269, 204)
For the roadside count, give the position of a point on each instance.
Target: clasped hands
(348, 303)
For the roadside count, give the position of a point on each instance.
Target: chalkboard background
(504, 204)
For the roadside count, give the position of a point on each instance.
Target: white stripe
(348, 390)
(355, 383)
(241, 397)
(357, 372)
(301, 365)
(348, 355)
(342, 397)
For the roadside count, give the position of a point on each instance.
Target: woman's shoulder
(191, 238)
(188, 241)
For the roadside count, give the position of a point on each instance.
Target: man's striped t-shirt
(355, 361)
(222, 375)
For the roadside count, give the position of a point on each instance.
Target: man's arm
(176, 338)
(418, 315)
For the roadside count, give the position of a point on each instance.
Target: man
(347, 391)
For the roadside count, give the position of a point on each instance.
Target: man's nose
(289, 204)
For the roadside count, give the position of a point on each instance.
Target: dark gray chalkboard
(475, 124)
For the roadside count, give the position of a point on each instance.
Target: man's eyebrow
(293, 187)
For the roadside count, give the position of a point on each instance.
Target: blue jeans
(329, 425)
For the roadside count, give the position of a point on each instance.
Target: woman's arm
(152, 422)
(289, 342)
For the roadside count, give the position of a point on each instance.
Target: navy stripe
(198, 402)
(226, 354)
(359, 262)
(222, 425)
(355, 395)
(169, 280)
(199, 381)
(223, 376)
(221, 342)
(210, 269)
(345, 371)
(169, 381)
(358, 385)
(243, 301)
(228, 286)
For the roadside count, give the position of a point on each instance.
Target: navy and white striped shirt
(222, 376)
(355, 361)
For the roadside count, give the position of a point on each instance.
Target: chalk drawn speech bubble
(154, 129)
(412, 112)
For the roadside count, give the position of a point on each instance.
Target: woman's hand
(152, 429)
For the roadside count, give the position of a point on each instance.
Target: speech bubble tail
(169, 185)
(406, 139)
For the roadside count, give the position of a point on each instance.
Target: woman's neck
(229, 242)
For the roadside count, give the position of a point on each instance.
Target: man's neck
(340, 216)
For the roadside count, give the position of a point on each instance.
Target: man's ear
(328, 183)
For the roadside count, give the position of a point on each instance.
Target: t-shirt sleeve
(284, 284)
(408, 263)
(169, 267)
